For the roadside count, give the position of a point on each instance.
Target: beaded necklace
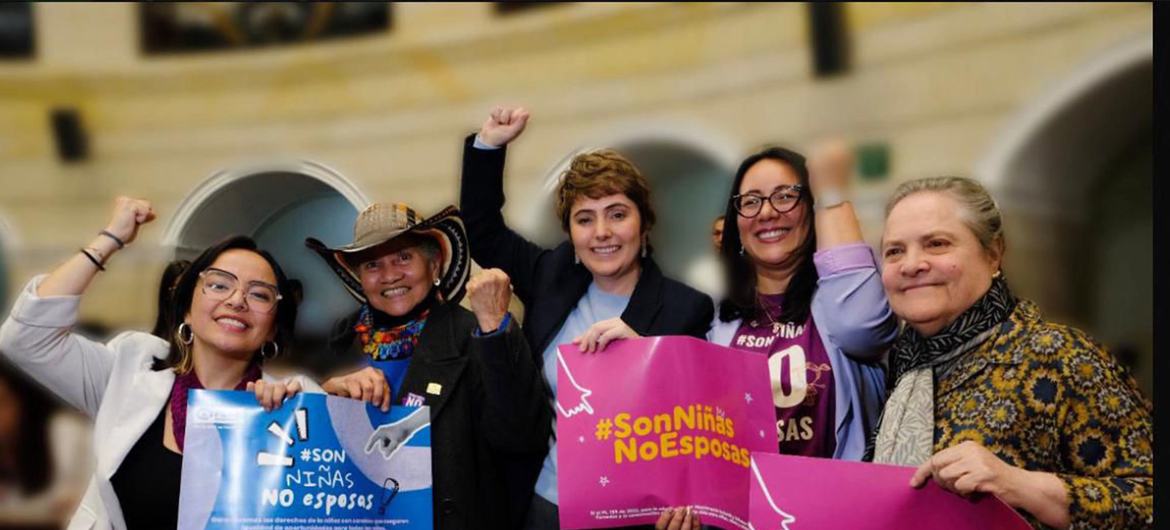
(382, 344)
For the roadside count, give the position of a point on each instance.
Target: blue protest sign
(318, 462)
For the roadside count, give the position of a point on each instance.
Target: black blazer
(549, 284)
(491, 405)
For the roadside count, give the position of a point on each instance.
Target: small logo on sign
(217, 416)
(413, 400)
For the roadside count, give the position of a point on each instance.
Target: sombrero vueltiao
(381, 222)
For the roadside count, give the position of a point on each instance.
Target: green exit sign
(873, 161)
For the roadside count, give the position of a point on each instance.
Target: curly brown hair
(596, 174)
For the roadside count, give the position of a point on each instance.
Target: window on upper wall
(505, 8)
(16, 31)
(829, 38)
(207, 26)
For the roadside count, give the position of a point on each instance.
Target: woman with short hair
(600, 285)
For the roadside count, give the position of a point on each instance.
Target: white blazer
(112, 383)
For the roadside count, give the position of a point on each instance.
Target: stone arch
(279, 203)
(1073, 175)
(689, 169)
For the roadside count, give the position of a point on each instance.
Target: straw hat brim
(446, 227)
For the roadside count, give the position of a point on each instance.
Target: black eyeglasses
(783, 199)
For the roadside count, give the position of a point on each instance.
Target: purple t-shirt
(802, 380)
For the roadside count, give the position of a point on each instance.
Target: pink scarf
(189, 381)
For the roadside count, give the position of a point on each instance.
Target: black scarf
(911, 350)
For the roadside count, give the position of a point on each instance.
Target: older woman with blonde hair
(991, 398)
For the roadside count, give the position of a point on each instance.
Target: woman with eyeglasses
(233, 307)
(803, 288)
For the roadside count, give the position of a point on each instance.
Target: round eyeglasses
(783, 199)
(219, 285)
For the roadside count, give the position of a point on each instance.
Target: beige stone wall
(937, 82)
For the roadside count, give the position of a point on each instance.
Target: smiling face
(607, 235)
(236, 325)
(933, 266)
(770, 238)
(397, 276)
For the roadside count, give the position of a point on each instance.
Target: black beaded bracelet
(121, 244)
(95, 261)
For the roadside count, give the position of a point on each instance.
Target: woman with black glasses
(804, 289)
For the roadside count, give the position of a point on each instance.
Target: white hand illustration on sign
(786, 518)
(576, 394)
(391, 437)
(797, 378)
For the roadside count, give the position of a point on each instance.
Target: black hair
(180, 304)
(740, 277)
(33, 467)
(164, 323)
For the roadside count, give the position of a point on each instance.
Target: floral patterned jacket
(1046, 397)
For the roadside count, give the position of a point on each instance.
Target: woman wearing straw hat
(412, 344)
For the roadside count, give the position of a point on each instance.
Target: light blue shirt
(596, 305)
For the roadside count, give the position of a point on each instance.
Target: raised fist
(829, 165)
(129, 214)
(489, 293)
(503, 125)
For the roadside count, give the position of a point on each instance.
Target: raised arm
(849, 291)
(515, 416)
(829, 167)
(37, 337)
(73, 276)
(481, 200)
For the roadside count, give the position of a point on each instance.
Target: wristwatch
(830, 198)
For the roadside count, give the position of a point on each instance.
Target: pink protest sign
(657, 422)
(802, 493)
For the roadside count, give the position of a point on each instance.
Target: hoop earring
(186, 360)
(645, 243)
(741, 250)
(998, 274)
(576, 258)
(275, 350)
(437, 281)
(190, 334)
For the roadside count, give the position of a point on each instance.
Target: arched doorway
(278, 204)
(689, 175)
(1075, 179)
